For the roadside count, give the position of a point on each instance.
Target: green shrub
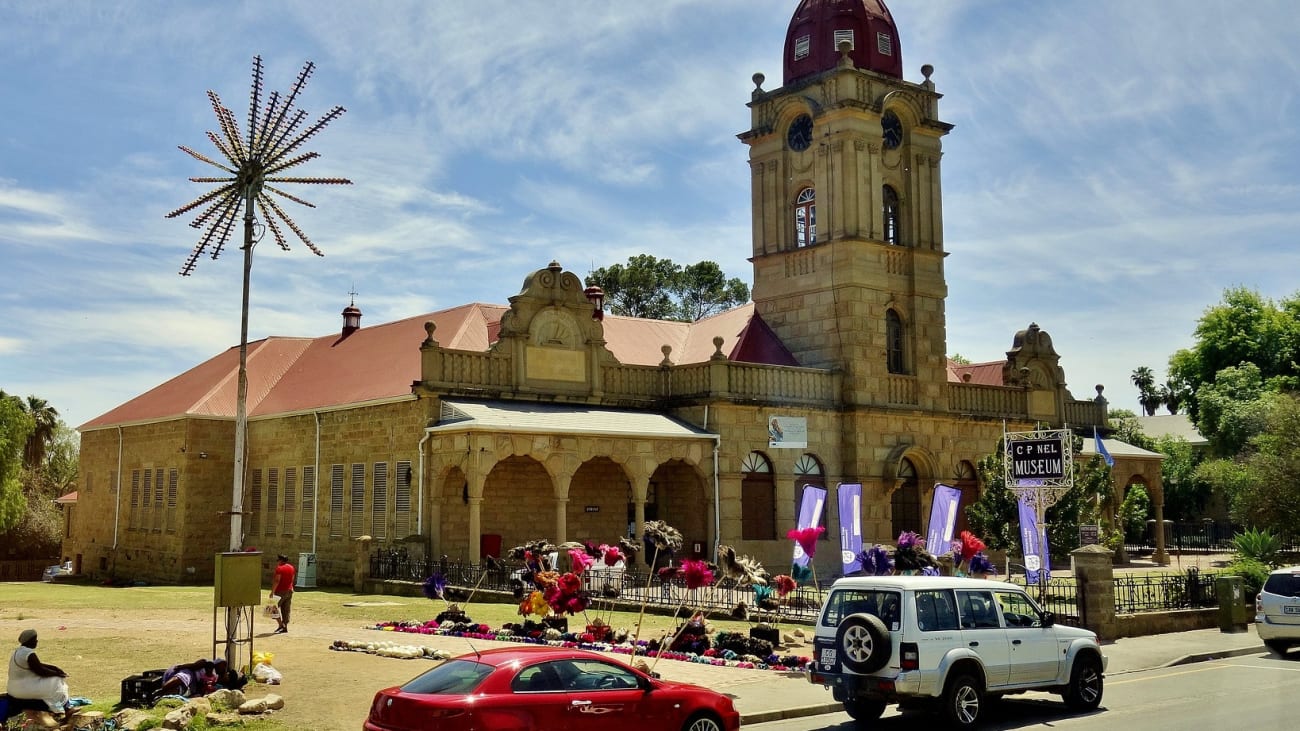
(1253, 573)
(1258, 545)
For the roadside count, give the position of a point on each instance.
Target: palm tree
(1145, 382)
(47, 422)
(1171, 396)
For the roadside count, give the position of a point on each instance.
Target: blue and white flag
(1101, 448)
(850, 497)
(1033, 545)
(810, 514)
(943, 518)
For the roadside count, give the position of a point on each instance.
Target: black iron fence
(1058, 595)
(1196, 536)
(1136, 592)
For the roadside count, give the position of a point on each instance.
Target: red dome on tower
(818, 26)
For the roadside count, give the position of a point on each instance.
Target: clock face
(892, 128)
(801, 133)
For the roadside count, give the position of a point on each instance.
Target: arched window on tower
(894, 340)
(805, 218)
(905, 503)
(892, 217)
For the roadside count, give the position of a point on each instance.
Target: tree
(15, 426)
(1149, 397)
(1263, 486)
(1233, 408)
(1186, 493)
(660, 289)
(959, 359)
(46, 419)
(1244, 328)
(704, 290)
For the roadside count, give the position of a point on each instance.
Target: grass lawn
(101, 635)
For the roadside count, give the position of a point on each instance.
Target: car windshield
(1283, 584)
(882, 603)
(450, 678)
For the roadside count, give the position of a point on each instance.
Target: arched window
(805, 218)
(905, 503)
(808, 472)
(892, 217)
(894, 359)
(757, 499)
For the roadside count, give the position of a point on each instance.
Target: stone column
(1095, 574)
(562, 481)
(360, 563)
(475, 529)
(1161, 557)
(561, 520)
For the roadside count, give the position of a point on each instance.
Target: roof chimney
(351, 317)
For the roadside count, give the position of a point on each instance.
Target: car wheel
(863, 643)
(1084, 691)
(1278, 647)
(961, 701)
(864, 709)
(702, 722)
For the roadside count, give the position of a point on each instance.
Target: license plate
(1291, 610)
(827, 657)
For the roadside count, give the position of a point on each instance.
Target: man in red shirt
(283, 588)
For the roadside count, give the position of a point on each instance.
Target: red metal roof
(980, 374)
(293, 374)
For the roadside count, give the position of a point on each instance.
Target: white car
(1277, 610)
(64, 569)
(949, 643)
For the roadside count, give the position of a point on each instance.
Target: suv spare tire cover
(862, 642)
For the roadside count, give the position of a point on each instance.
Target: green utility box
(1232, 603)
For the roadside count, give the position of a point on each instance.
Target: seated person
(31, 679)
(224, 676)
(187, 679)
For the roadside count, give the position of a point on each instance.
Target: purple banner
(943, 518)
(810, 514)
(850, 499)
(1033, 545)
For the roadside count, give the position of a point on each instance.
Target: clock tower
(847, 222)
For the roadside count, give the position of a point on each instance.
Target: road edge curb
(788, 713)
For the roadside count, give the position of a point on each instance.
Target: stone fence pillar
(1095, 574)
(361, 563)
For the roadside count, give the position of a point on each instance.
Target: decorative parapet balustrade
(1085, 413)
(723, 379)
(996, 401)
(476, 370)
(901, 390)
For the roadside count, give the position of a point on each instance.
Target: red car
(531, 688)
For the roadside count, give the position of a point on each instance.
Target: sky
(1114, 166)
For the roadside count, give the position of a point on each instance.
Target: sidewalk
(765, 695)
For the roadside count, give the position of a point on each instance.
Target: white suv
(917, 640)
(1277, 610)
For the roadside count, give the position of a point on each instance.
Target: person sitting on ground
(186, 679)
(224, 676)
(31, 679)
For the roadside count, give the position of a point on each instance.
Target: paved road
(1256, 692)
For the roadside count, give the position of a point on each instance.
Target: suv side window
(843, 602)
(936, 610)
(1018, 610)
(977, 609)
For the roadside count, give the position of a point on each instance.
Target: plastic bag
(271, 610)
(264, 673)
